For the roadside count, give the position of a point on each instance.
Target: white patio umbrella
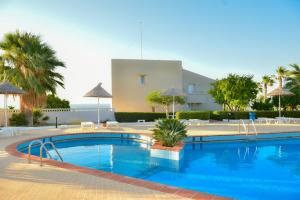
(98, 92)
(280, 92)
(8, 89)
(173, 92)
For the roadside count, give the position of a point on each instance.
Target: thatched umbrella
(173, 92)
(98, 92)
(280, 92)
(8, 89)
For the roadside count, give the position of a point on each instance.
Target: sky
(211, 37)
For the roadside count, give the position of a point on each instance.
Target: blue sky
(211, 37)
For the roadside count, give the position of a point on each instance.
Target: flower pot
(172, 153)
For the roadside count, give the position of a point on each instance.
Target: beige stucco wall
(128, 94)
(200, 94)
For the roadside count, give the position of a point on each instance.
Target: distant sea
(90, 105)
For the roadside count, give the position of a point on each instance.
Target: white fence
(70, 116)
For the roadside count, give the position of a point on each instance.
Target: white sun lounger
(295, 120)
(112, 124)
(87, 125)
(267, 120)
(196, 122)
(287, 120)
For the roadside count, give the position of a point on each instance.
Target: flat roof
(145, 60)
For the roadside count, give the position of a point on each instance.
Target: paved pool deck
(20, 180)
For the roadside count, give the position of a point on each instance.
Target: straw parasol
(8, 89)
(98, 92)
(280, 92)
(173, 92)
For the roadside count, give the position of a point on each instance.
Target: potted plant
(169, 134)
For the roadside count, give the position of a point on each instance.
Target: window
(191, 88)
(142, 79)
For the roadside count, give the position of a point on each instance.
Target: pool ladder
(247, 127)
(43, 146)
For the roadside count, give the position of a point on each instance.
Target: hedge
(135, 116)
(220, 115)
(203, 115)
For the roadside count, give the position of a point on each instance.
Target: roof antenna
(141, 37)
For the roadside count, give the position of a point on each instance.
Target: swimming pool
(254, 169)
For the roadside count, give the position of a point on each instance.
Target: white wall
(71, 116)
(78, 115)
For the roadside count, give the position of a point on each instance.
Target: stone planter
(171, 153)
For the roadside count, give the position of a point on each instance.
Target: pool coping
(12, 150)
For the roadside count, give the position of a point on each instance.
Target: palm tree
(266, 81)
(295, 73)
(31, 64)
(281, 74)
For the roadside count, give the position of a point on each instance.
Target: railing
(42, 147)
(247, 127)
(29, 148)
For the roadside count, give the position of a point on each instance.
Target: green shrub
(18, 119)
(39, 118)
(220, 115)
(134, 116)
(54, 101)
(241, 115)
(169, 132)
(262, 105)
(203, 115)
(216, 115)
(295, 114)
(267, 114)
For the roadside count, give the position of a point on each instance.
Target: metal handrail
(43, 146)
(247, 129)
(29, 148)
(254, 127)
(244, 125)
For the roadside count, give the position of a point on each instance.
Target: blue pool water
(242, 170)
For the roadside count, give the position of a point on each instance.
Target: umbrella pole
(5, 109)
(173, 107)
(98, 122)
(279, 106)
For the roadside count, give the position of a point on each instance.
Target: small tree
(156, 98)
(234, 92)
